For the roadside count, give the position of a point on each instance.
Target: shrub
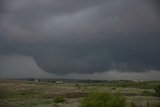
(59, 99)
(132, 104)
(113, 88)
(103, 100)
(147, 93)
(157, 89)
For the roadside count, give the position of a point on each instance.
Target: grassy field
(23, 93)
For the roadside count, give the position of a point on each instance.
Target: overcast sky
(96, 39)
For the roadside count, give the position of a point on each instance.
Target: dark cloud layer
(83, 36)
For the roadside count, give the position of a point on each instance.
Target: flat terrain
(24, 93)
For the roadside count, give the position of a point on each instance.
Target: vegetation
(132, 104)
(157, 89)
(59, 99)
(23, 93)
(147, 93)
(103, 100)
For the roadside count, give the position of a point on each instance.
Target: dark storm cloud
(83, 36)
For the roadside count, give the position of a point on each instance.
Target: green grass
(103, 100)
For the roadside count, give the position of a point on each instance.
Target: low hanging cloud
(84, 36)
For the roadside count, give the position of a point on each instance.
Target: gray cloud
(83, 36)
(18, 66)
